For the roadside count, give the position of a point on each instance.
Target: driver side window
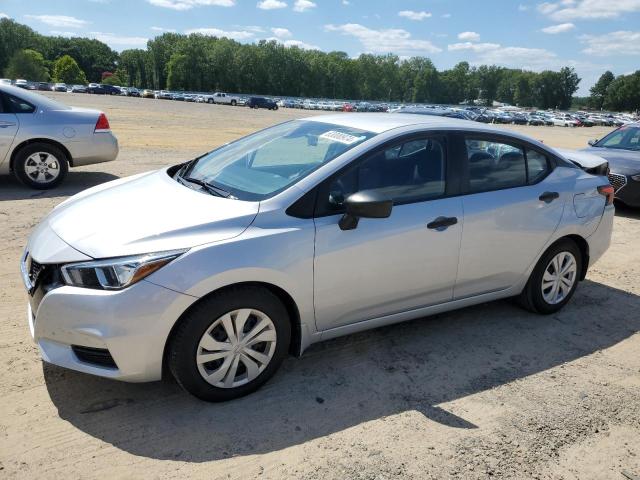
(408, 172)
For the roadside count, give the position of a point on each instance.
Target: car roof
(383, 122)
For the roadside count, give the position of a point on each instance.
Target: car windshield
(269, 161)
(624, 138)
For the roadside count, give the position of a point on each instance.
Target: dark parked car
(535, 120)
(103, 89)
(44, 86)
(132, 92)
(519, 119)
(621, 148)
(261, 102)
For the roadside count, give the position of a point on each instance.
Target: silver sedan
(41, 138)
(215, 269)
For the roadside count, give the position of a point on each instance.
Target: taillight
(608, 192)
(102, 125)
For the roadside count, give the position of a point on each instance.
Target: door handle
(442, 223)
(548, 197)
(6, 124)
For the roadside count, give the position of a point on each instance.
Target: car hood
(625, 162)
(147, 213)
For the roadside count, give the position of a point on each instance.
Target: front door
(391, 265)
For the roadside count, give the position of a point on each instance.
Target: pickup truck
(223, 98)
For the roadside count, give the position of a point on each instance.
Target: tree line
(201, 63)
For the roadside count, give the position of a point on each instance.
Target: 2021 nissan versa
(304, 231)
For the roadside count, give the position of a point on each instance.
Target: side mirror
(365, 204)
(593, 141)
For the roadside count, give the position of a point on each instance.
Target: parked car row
(499, 115)
(520, 117)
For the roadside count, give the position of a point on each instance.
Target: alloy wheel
(559, 278)
(236, 348)
(42, 167)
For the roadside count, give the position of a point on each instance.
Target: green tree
(489, 78)
(624, 93)
(27, 64)
(66, 70)
(569, 82)
(118, 78)
(599, 90)
(178, 72)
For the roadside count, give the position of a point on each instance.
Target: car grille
(617, 181)
(42, 278)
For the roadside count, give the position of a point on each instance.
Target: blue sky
(590, 35)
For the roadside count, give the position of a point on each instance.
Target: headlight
(636, 178)
(116, 273)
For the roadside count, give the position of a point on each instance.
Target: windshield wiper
(212, 189)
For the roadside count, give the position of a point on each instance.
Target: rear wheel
(41, 165)
(554, 279)
(230, 344)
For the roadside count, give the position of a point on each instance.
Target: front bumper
(629, 191)
(132, 324)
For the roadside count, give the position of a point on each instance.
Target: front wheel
(233, 103)
(230, 344)
(554, 279)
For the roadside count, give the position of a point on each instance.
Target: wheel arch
(582, 245)
(31, 141)
(295, 344)
(584, 251)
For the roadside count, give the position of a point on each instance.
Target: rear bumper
(600, 239)
(103, 147)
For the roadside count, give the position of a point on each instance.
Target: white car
(223, 99)
(564, 121)
(217, 268)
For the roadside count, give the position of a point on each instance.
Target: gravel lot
(486, 392)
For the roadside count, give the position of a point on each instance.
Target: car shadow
(341, 383)
(12, 189)
(625, 211)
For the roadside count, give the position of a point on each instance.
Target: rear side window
(18, 105)
(412, 171)
(537, 166)
(495, 165)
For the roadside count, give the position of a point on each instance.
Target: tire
(233, 103)
(210, 100)
(534, 298)
(204, 325)
(36, 162)
(275, 108)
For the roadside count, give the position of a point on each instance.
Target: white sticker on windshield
(340, 137)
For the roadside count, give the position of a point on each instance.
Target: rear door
(395, 264)
(513, 203)
(8, 127)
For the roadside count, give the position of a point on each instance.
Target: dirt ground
(485, 392)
